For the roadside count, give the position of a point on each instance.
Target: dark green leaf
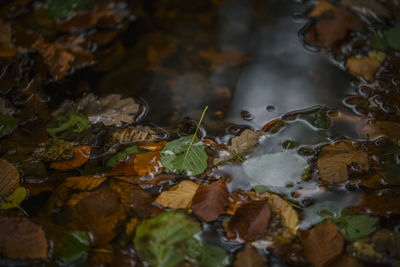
(7, 124)
(180, 156)
(355, 226)
(68, 126)
(392, 36)
(61, 9)
(74, 247)
(117, 157)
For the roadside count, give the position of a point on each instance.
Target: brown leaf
(379, 204)
(249, 257)
(387, 242)
(84, 183)
(321, 7)
(141, 134)
(81, 155)
(179, 196)
(22, 239)
(287, 213)
(7, 50)
(125, 166)
(5, 32)
(250, 220)
(148, 164)
(245, 142)
(388, 129)
(323, 243)
(9, 178)
(334, 159)
(210, 201)
(368, 7)
(363, 66)
(136, 201)
(343, 261)
(99, 213)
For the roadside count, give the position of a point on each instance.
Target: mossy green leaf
(181, 155)
(68, 126)
(117, 157)
(73, 247)
(170, 238)
(14, 199)
(62, 9)
(7, 125)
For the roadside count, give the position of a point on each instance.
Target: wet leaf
(117, 157)
(7, 125)
(56, 149)
(387, 242)
(271, 170)
(148, 164)
(61, 9)
(365, 66)
(68, 126)
(181, 155)
(210, 201)
(250, 220)
(345, 261)
(392, 36)
(379, 204)
(153, 146)
(169, 239)
(378, 129)
(143, 134)
(14, 199)
(318, 118)
(9, 177)
(364, 250)
(321, 7)
(355, 226)
(249, 257)
(22, 239)
(73, 248)
(287, 213)
(323, 243)
(124, 167)
(81, 155)
(84, 183)
(245, 142)
(179, 196)
(334, 159)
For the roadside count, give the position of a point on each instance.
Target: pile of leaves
(88, 183)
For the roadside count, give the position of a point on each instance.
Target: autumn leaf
(179, 196)
(125, 166)
(117, 157)
(210, 201)
(387, 242)
(345, 261)
(5, 32)
(55, 149)
(140, 134)
(321, 7)
(152, 146)
(379, 129)
(250, 220)
(334, 159)
(148, 164)
(228, 56)
(81, 155)
(323, 243)
(365, 66)
(286, 211)
(84, 183)
(9, 178)
(14, 200)
(378, 204)
(249, 257)
(22, 239)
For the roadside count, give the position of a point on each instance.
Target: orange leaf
(323, 243)
(84, 183)
(81, 155)
(361, 66)
(250, 220)
(249, 257)
(124, 166)
(379, 204)
(321, 7)
(210, 201)
(153, 146)
(147, 164)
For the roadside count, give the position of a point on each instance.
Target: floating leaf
(73, 248)
(250, 220)
(354, 226)
(81, 155)
(9, 177)
(181, 155)
(7, 125)
(179, 196)
(148, 164)
(210, 201)
(61, 9)
(249, 257)
(124, 167)
(323, 243)
(14, 200)
(129, 150)
(334, 159)
(170, 238)
(246, 141)
(68, 126)
(271, 169)
(22, 239)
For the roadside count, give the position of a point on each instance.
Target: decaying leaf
(363, 249)
(62, 9)
(56, 149)
(210, 201)
(81, 155)
(148, 164)
(186, 154)
(7, 124)
(14, 199)
(140, 134)
(250, 220)
(249, 257)
(323, 243)
(378, 129)
(68, 126)
(117, 157)
(84, 183)
(22, 239)
(334, 159)
(9, 178)
(365, 66)
(379, 204)
(387, 242)
(179, 196)
(320, 8)
(288, 214)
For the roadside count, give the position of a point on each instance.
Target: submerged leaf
(170, 238)
(61, 9)
(365, 66)
(7, 125)
(9, 177)
(181, 155)
(56, 149)
(68, 126)
(117, 157)
(81, 155)
(355, 226)
(249, 257)
(288, 214)
(14, 200)
(74, 247)
(179, 196)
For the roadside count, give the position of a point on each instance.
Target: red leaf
(210, 201)
(81, 155)
(250, 220)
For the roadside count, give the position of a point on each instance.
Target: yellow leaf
(365, 67)
(14, 200)
(179, 196)
(288, 214)
(321, 7)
